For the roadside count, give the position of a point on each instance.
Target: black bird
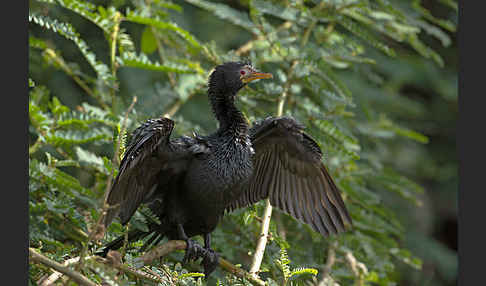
(190, 182)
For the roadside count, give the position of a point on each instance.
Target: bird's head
(230, 77)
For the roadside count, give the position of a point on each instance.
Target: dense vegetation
(353, 71)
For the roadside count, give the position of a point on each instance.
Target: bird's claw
(210, 261)
(193, 251)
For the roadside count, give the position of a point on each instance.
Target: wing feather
(288, 170)
(149, 153)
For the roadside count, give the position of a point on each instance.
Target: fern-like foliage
(160, 24)
(343, 67)
(143, 62)
(292, 276)
(67, 30)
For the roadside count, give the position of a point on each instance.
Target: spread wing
(289, 171)
(149, 158)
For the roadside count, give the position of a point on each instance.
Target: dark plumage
(189, 182)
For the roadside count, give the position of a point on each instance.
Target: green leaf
(165, 25)
(143, 62)
(149, 44)
(406, 257)
(366, 35)
(387, 124)
(191, 275)
(88, 158)
(74, 137)
(227, 13)
(67, 30)
(86, 10)
(302, 270)
(37, 43)
(281, 11)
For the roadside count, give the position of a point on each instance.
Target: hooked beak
(254, 76)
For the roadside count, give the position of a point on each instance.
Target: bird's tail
(156, 232)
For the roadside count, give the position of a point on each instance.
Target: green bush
(97, 70)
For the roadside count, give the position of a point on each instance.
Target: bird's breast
(215, 179)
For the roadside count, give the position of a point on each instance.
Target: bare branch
(331, 259)
(98, 231)
(262, 240)
(60, 61)
(56, 275)
(74, 275)
(355, 266)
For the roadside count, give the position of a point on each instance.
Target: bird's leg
(211, 258)
(193, 250)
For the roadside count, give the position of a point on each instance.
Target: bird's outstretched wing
(289, 171)
(150, 155)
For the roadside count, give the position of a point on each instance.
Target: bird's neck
(231, 120)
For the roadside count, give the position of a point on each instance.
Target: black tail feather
(117, 243)
(157, 231)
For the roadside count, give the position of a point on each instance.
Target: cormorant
(190, 182)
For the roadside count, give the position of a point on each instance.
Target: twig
(56, 275)
(160, 48)
(176, 105)
(173, 245)
(125, 241)
(98, 230)
(74, 275)
(114, 36)
(355, 265)
(52, 54)
(122, 267)
(249, 45)
(331, 259)
(262, 241)
(153, 273)
(307, 32)
(35, 146)
(127, 269)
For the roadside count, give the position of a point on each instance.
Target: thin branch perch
(173, 245)
(74, 275)
(262, 241)
(331, 259)
(56, 274)
(98, 231)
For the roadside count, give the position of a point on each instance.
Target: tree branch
(76, 276)
(60, 61)
(56, 274)
(331, 259)
(262, 240)
(173, 245)
(114, 36)
(249, 45)
(355, 266)
(111, 260)
(98, 231)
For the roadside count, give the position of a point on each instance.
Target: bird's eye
(242, 72)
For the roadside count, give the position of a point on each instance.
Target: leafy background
(375, 82)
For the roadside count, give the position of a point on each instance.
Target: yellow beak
(255, 75)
